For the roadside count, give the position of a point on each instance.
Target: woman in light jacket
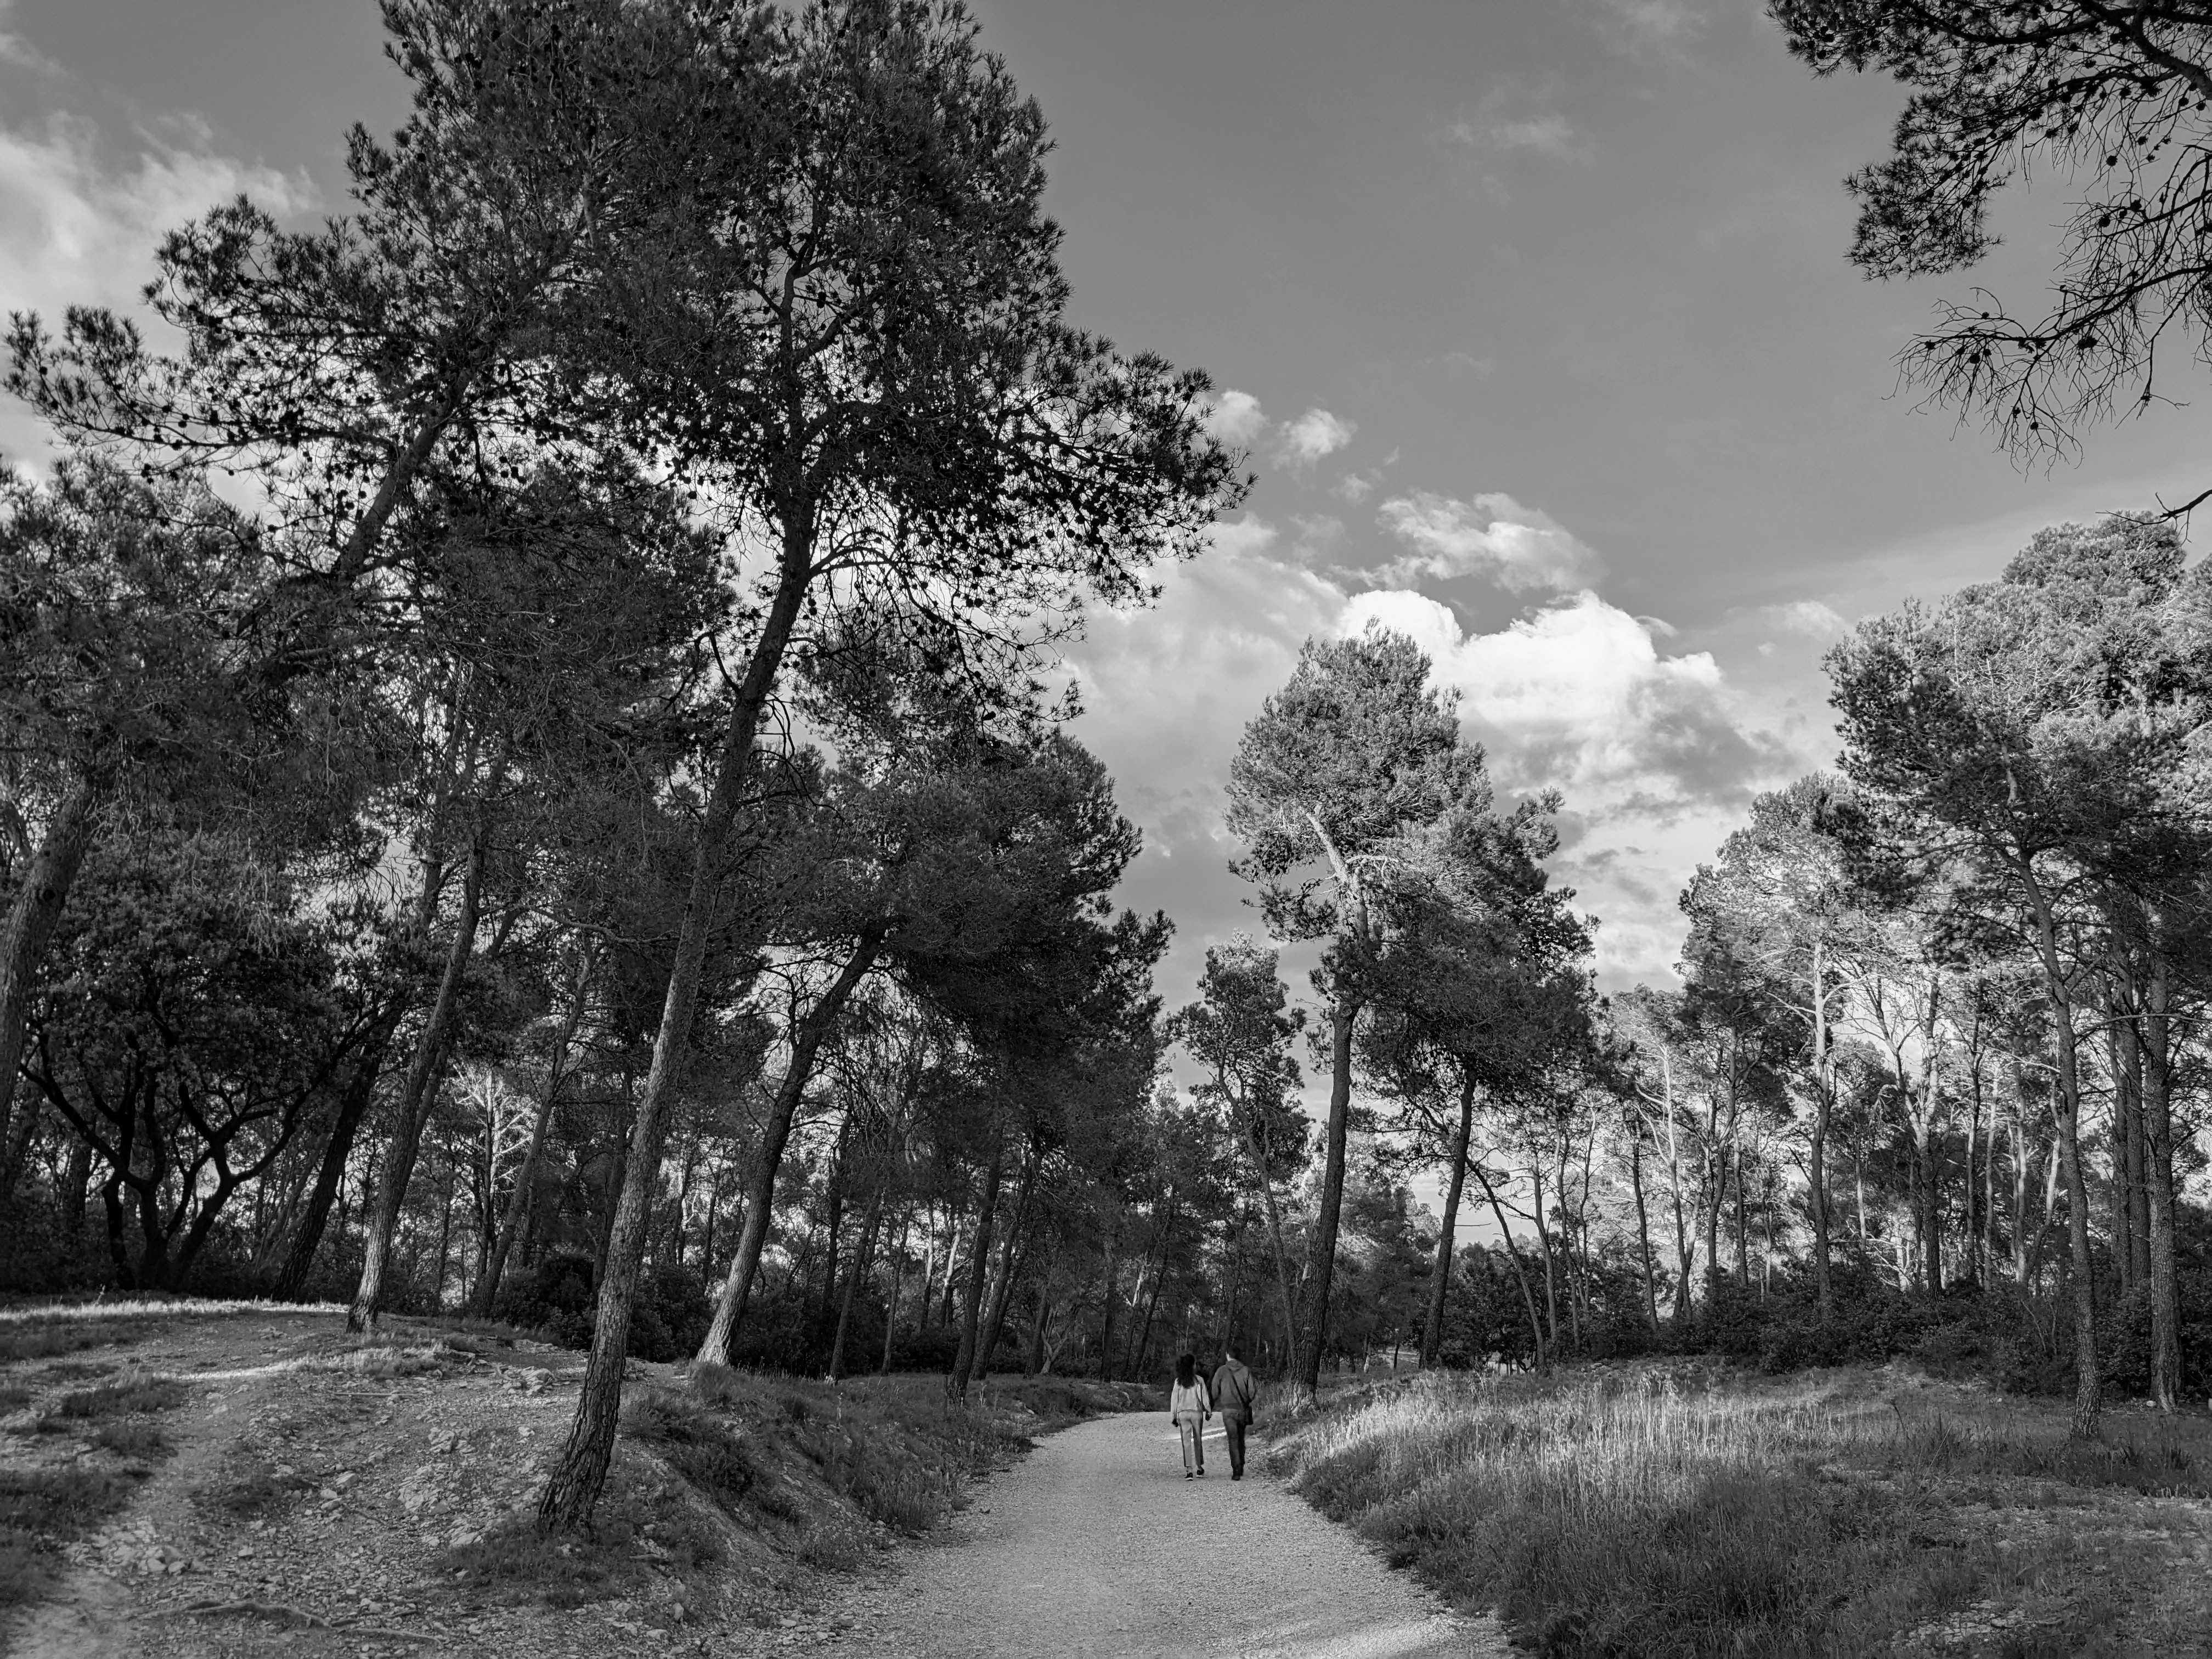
(1187, 1409)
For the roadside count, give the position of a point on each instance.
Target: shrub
(931, 1350)
(668, 1316)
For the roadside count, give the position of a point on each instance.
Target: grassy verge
(730, 1478)
(1698, 1514)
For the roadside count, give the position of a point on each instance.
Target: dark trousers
(1232, 1430)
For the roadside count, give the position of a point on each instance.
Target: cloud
(1313, 435)
(1664, 25)
(1579, 697)
(1808, 617)
(1657, 755)
(76, 229)
(1491, 535)
(1515, 118)
(1235, 418)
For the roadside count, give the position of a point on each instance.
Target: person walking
(1189, 1406)
(1234, 1390)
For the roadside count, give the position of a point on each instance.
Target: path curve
(1095, 1545)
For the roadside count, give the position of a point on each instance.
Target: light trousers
(1194, 1445)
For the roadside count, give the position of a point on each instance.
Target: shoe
(1201, 1474)
(1238, 1475)
(1186, 1474)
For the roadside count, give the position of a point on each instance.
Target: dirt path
(1095, 1545)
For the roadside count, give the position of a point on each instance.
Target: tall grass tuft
(1650, 1515)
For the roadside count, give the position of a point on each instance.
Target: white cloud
(1515, 118)
(1544, 134)
(1235, 418)
(1663, 24)
(1313, 435)
(1492, 535)
(76, 230)
(1656, 754)
(1808, 617)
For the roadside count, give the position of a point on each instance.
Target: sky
(1534, 316)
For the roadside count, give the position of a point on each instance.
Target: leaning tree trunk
(979, 1266)
(1520, 1272)
(415, 1099)
(1012, 1257)
(329, 1174)
(1432, 1329)
(760, 1200)
(863, 1255)
(1643, 1227)
(32, 919)
(518, 1202)
(1343, 1016)
(573, 1491)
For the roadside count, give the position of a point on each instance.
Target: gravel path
(1095, 1545)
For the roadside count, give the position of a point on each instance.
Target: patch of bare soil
(312, 1495)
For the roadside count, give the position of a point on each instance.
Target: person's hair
(1187, 1370)
(1229, 1349)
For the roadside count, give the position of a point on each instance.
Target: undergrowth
(1612, 1516)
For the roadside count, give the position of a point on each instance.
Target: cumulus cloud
(1656, 752)
(1657, 755)
(1313, 435)
(1578, 697)
(78, 229)
(1235, 418)
(1492, 535)
(1808, 617)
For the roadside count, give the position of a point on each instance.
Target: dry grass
(726, 1479)
(1663, 1515)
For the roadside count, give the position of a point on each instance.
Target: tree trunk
(2127, 1139)
(1643, 1225)
(413, 1109)
(1343, 1016)
(519, 1202)
(862, 1257)
(890, 1309)
(979, 1265)
(1010, 1266)
(330, 1176)
(2158, 1138)
(1432, 1329)
(2068, 1117)
(1528, 1295)
(1106, 1321)
(32, 916)
(1685, 1264)
(1824, 1100)
(1275, 1238)
(1544, 1254)
(573, 1491)
(760, 1200)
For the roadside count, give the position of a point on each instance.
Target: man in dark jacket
(1234, 1389)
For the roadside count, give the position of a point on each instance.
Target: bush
(932, 1350)
(668, 1321)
